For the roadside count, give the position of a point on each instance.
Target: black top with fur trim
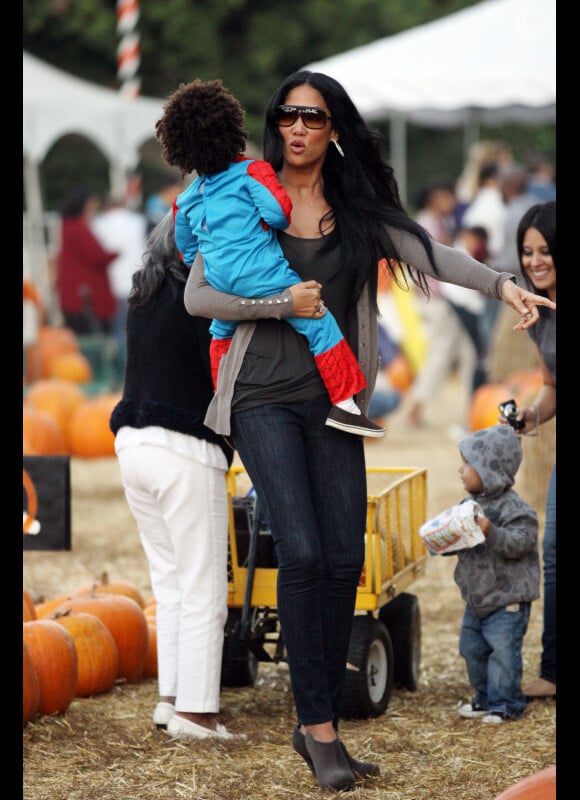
(167, 377)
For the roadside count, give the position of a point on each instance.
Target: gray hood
(496, 454)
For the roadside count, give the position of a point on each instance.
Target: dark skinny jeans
(311, 480)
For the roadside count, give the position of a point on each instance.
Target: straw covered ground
(106, 747)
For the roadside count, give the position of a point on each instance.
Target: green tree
(251, 45)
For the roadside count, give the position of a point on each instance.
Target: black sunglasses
(312, 116)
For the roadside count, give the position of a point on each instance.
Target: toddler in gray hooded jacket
(498, 578)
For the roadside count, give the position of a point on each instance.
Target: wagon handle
(252, 550)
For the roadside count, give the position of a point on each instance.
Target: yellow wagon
(385, 645)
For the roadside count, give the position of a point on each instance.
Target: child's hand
(484, 524)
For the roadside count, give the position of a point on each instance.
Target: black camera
(509, 409)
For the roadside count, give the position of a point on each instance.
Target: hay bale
(539, 456)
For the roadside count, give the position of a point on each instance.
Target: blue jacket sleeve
(186, 242)
(270, 198)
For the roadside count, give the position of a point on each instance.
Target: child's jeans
(492, 649)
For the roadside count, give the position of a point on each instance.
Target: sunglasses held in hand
(313, 117)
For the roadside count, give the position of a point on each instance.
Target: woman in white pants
(173, 471)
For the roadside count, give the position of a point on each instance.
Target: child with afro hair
(229, 213)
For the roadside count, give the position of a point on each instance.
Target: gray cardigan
(203, 301)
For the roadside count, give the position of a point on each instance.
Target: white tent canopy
(494, 62)
(55, 104)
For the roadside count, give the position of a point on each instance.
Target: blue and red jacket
(230, 217)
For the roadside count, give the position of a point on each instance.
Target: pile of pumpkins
(59, 416)
(79, 645)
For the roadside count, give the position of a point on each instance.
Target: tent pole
(117, 178)
(398, 135)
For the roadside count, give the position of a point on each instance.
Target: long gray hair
(160, 258)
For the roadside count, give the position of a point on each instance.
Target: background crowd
(100, 242)
(473, 227)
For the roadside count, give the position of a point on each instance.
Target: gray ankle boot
(330, 765)
(361, 769)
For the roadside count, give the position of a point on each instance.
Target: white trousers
(180, 507)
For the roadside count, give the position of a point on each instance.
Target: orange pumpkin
(30, 292)
(127, 623)
(30, 687)
(89, 432)
(103, 584)
(41, 435)
(73, 367)
(524, 385)
(484, 412)
(97, 653)
(150, 670)
(150, 611)
(45, 608)
(400, 373)
(28, 609)
(58, 398)
(54, 657)
(539, 786)
(51, 342)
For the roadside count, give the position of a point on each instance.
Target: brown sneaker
(353, 423)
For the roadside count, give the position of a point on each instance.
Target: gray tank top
(278, 366)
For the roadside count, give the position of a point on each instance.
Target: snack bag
(453, 529)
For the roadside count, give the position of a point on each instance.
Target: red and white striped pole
(128, 51)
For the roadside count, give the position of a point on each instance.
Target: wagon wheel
(402, 616)
(369, 675)
(239, 664)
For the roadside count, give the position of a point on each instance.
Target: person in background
(311, 478)
(385, 398)
(229, 214)
(83, 284)
(480, 153)
(541, 177)
(468, 304)
(448, 341)
(436, 204)
(487, 210)
(455, 340)
(499, 578)
(121, 229)
(473, 241)
(173, 472)
(159, 203)
(536, 243)
(517, 199)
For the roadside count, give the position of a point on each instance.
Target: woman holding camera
(536, 243)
